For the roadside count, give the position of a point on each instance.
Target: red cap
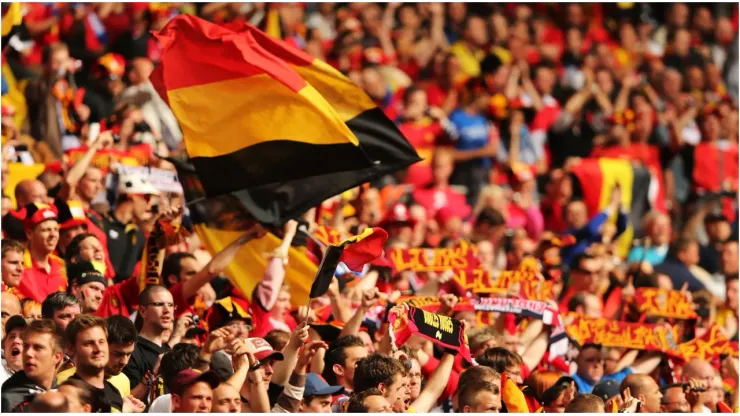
(263, 350)
(36, 213)
(397, 215)
(188, 377)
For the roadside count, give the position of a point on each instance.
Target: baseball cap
(188, 377)
(38, 212)
(15, 322)
(134, 183)
(317, 386)
(606, 389)
(397, 215)
(263, 350)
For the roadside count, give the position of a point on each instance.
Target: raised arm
(435, 385)
(268, 289)
(72, 178)
(283, 369)
(352, 327)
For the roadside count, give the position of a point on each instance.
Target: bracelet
(147, 379)
(257, 364)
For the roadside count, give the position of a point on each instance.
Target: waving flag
(355, 252)
(595, 180)
(286, 130)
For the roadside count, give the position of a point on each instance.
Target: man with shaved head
(645, 389)
(703, 371)
(49, 402)
(28, 191)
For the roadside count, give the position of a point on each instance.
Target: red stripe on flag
(364, 251)
(214, 53)
(591, 178)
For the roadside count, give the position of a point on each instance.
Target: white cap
(135, 183)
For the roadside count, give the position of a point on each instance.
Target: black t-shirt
(18, 391)
(575, 141)
(125, 245)
(143, 360)
(106, 398)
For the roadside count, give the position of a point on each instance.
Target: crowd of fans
(502, 101)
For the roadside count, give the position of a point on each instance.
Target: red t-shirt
(37, 283)
(423, 136)
(120, 299)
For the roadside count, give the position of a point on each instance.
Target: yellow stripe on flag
(217, 121)
(347, 99)
(248, 269)
(618, 171)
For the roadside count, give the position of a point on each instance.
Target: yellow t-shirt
(119, 381)
(469, 59)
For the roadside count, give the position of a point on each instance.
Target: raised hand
(370, 297)
(299, 336)
(629, 403)
(217, 340)
(132, 405)
(308, 352)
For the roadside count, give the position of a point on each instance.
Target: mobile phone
(196, 320)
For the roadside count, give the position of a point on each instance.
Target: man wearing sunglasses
(126, 240)
(157, 312)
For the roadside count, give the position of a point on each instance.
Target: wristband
(257, 364)
(451, 352)
(147, 379)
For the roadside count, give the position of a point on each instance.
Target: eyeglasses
(679, 404)
(162, 305)
(416, 375)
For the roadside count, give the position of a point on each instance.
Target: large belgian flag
(595, 180)
(220, 220)
(279, 129)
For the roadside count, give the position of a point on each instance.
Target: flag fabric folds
(517, 400)
(287, 131)
(364, 248)
(595, 180)
(219, 221)
(355, 252)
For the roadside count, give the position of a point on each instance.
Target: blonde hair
(489, 192)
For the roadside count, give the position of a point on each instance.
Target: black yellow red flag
(273, 126)
(355, 252)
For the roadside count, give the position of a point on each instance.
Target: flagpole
(302, 228)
